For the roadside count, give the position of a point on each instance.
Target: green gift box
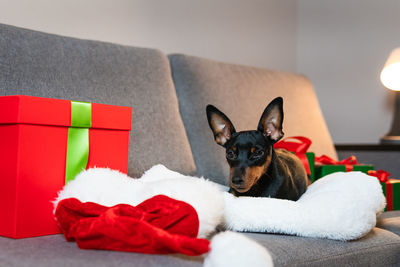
(391, 190)
(311, 162)
(322, 170)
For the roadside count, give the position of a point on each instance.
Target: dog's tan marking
(253, 174)
(231, 172)
(252, 149)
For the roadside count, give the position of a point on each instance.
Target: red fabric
(159, 225)
(299, 148)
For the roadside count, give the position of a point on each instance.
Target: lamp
(390, 78)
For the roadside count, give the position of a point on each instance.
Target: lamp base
(393, 136)
(390, 140)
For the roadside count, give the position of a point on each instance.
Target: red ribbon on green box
(383, 177)
(326, 165)
(348, 163)
(78, 139)
(299, 148)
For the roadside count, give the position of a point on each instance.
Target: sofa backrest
(242, 93)
(40, 64)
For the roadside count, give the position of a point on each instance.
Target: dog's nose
(237, 180)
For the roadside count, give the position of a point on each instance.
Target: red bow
(383, 176)
(325, 160)
(299, 148)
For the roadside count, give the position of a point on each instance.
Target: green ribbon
(78, 139)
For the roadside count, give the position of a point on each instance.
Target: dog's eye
(230, 155)
(257, 154)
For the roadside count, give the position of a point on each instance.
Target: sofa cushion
(378, 248)
(242, 93)
(40, 64)
(53, 250)
(390, 221)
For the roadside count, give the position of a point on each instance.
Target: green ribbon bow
(78, 139)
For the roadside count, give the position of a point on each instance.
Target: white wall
(252, 32)
(342, 47)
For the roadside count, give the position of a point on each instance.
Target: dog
(256, 168)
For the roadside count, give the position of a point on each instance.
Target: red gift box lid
(22, 109)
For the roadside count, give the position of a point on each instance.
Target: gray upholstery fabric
(378, 248)
(40, 64)
(50, 251)
(390, 221)
(242, 93)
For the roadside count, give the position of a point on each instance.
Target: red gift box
(35, 134)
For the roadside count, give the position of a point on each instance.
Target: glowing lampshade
(390, 75)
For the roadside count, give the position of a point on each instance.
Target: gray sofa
(168, 95)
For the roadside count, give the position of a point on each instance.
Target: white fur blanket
(340, 206)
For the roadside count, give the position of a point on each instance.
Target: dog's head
(248, 152)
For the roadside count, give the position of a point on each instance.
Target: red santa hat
(163, 212)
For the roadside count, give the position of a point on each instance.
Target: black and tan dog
(257, 169)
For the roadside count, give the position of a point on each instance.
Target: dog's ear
(221, 126)
(271, 120)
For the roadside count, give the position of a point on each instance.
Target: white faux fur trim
(109, 187)
(341, 206)
(229, 249)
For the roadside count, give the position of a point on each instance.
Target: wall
(342, 47)
(252, 32)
